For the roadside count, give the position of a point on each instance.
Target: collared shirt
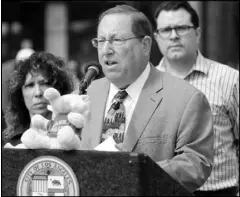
(133, 91)
(220, 85)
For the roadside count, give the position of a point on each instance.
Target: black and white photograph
(120, 98)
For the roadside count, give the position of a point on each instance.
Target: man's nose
(174, 34)
(107, 48)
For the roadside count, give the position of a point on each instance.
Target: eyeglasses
(99, 43)
(180, 30)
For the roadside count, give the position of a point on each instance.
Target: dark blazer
(172, 123)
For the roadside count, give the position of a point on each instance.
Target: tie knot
(122, 94)
(118, 99)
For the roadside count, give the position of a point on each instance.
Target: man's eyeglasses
(99, 43)
(180, 30)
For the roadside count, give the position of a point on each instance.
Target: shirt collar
(199, 66)
(135, 88)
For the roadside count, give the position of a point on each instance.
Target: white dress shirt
(133, 91)
(220, 84)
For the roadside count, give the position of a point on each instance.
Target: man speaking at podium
(143, 109)
(139, 109)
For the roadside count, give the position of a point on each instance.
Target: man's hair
(141, 26)
(176, 5)
(51, 68)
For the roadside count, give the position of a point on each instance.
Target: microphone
(93, 70)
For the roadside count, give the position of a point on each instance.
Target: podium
(98, 173)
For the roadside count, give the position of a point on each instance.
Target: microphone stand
(82, 87)
(82, 91)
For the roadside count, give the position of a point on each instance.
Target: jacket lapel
(98, 103)
(148, 101)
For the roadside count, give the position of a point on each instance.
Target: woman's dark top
(15, 138)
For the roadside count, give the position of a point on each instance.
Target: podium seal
(47, 176)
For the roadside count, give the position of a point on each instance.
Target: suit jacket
(171, 123)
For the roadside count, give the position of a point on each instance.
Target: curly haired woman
(28, 82)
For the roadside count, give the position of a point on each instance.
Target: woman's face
(32, 90)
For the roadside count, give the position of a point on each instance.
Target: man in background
(178, 35)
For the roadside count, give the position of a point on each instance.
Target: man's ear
(147, 44)
(198, 34)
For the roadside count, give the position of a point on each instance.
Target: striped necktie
(114, 122)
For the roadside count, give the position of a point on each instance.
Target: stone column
(197, 5)
(56, 29)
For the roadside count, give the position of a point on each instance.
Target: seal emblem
(47, 176)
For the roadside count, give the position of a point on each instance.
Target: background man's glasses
(99, 43)
(180, 31)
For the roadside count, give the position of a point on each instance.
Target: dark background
(219, 23)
